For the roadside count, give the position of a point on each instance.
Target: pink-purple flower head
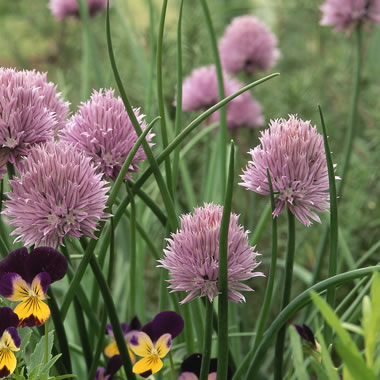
(247, 45)
(58, 194)
(25, 119)
(192, 255)
(200, 91)
(103, 130)
(62, 9)
(293, 152)
(347, 14)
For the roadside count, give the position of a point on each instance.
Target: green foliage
(355, 366)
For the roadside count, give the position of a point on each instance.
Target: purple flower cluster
(66, 8)
(346, 14)
(57, 194)
(31, 112)
(248, 45)
(103, 130)
(293, 152)
(200, 91)
(192, 255)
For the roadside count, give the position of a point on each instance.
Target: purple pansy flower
(9, 341)
(154, 341)
(113, 365)
(26, 277)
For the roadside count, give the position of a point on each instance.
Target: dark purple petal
(4, 372)
(14, 262)
(305, 333)
(15, 337)
(6, 284)
(45, 259)
(146, 374)
(113, 365)
(166, 322)
(124, 327)
(7, 319)
(192, 364)
(134, 325)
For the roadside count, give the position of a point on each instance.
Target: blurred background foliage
(316, 67)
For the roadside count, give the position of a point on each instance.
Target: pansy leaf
(34, 365)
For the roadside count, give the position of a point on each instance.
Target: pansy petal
(14, 287)
(111, 350)
(151, 363)
(10, 339)
(8, 319)
(134, 325)
(14, 262)
(32, 312)
(188, 376)
(212, 376)
(100, 374)
(163, 345)
(166, 322)
(45, 259)
(113, 365)
(140, 344)
(40, 284)
(192, 364)
(109, 330)
(7, 362)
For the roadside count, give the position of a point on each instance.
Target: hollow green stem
(178, 111)
(206, 352)
(279, 351)
(223, 273)
(60, 331)
(160, 95)
(46, 353)
(293, 307)
(333, 257)
(223, 111)
(261, 224)
(132, 256)
(172, 369)
(114, 320)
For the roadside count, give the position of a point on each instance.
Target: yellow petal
(111, 350)
(150, 363)
(32, 312)
(7, 362)
(7, 341)
(140, 343)
(163, 345)
(37, 288)
(20, 289)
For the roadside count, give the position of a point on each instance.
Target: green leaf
(354, 364)
(299, 366)
(25, 338)
(35, 363)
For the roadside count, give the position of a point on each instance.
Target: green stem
(279, 351)
(114, 320)
(223, 111)
(333, 257)
(268, 293)
(206, 352)
(293, 307)
(352, 121)
(60, 331)
(160, 95)
(178, 111)
(222, 367)
(261, 224)
(46, 353)
(153, 163)
(172, 369)
(149, 90)
(132, 256)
